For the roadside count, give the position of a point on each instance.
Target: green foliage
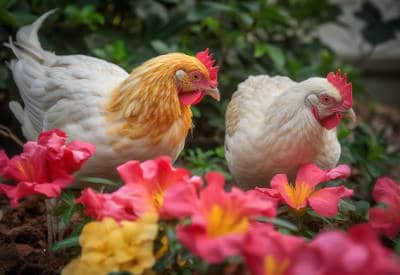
(100, 181)
(200, 162)
(65, 243)
(367, 152)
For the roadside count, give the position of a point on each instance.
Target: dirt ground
(23, 240)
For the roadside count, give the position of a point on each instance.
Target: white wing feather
(57, 90)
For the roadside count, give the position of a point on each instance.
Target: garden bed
(23, 230)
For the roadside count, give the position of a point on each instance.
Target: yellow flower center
(225, 221)
(274, 267)
(298, 193)
(157, 195)
(158, 199)
(26, 169)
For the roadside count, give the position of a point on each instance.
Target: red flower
(386, 219)
(268, 252)
(303, 192)
(219, 220)
(69, 157)
(357, 252)
(146, 186)
(43, 168)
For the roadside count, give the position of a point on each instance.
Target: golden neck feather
(146, 104)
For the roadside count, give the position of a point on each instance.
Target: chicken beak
(214, 93)
(350, 114)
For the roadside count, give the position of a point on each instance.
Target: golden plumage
(146, 104)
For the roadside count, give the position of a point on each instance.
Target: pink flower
(335, 252)
(118, 205)
(69, 157)
(146, 186)
(219, 220)
(42, 169)
(357, 252)
(268, 252)
(303, 192)
(386, 219)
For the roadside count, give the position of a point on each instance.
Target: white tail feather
(27, 44)
(17, 110)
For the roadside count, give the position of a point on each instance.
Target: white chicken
(138, 116)
(273, 125)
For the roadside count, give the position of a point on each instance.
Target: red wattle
(190, 98)
(328, 122)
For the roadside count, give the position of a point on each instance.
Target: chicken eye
(325, 99)
(196, 76)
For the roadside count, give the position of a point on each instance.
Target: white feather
(70, 93)
(276, 132)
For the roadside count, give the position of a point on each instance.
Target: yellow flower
(111, 247)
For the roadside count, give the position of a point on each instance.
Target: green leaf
(273, 52)
(277, 56)
(99, 181)
(66, 243)
(219, 7)
(397, 246)
(159, 46)
(211, 23)
(246, 19)
(279, 222)
(7, 18)
(346, 205)
(260, 50)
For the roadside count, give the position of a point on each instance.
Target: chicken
(274, 125)
(127, 116)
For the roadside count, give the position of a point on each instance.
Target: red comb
(208, 62)
(344, 87)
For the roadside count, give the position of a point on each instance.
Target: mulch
(23, 240)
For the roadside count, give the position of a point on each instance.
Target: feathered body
(271, 128)
(127, 116)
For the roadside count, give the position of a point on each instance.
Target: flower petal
(215, 186)
(76, 153)
(15, 193)
(130, 172)
(386, 220)
(325, 201)
(280, 182)
(167, 174)
(310, 174)
(53, 139)
(179, 201)
(50, 190)
(211, 250)
(341, 171)
(387, 191)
